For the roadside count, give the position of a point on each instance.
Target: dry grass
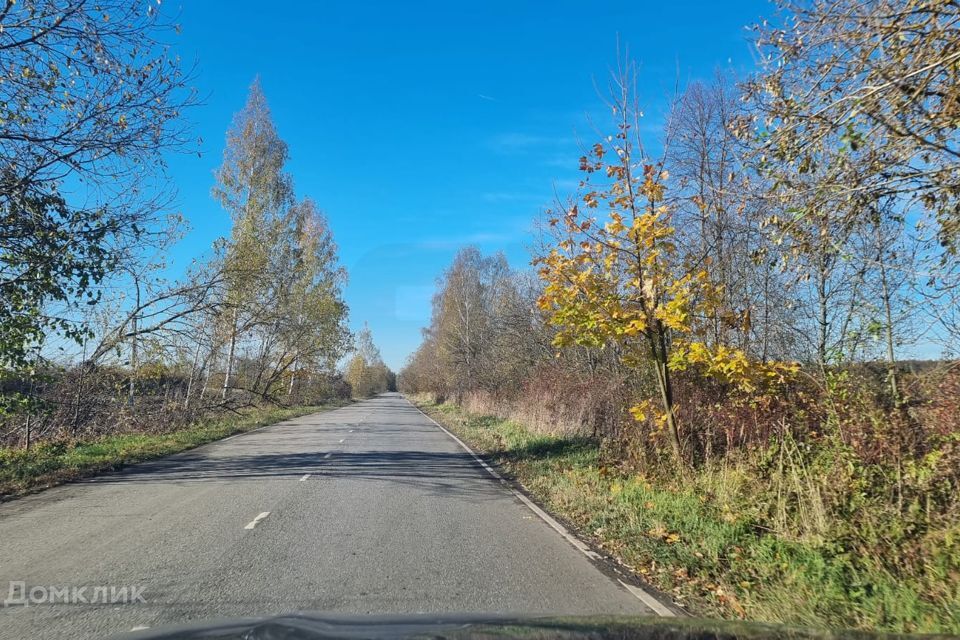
(778, 535)
(58, 461)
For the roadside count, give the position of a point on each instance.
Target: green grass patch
(700, 543)
(50, 463)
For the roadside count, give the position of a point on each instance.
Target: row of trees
(93, 336)
(366, 373)
(786, 227)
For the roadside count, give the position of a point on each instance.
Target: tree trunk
(132, 389)
(296, 358)
(293, 375)
(230, 354)
(193, 373)
(206, 376)
(888, 312)
(76, 404)
(658, 348)
(823, 321)
(765, 349)
(133, 348)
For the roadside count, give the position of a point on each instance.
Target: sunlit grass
(701, 543)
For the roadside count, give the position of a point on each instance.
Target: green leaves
(68, 115)
(283, 280)
(48, 253)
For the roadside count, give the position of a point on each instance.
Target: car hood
(316, 626)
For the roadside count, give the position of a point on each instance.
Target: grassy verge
(51, 463)
(705, 550)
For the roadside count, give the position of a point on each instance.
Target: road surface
(371, 508)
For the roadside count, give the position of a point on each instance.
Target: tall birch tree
(254, 188)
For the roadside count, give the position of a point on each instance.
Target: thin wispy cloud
(455, 242)
(569, 161)
(501, 196)
(518, 142)
(566, 185)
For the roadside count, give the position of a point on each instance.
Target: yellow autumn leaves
(619, 278)
(731, 366)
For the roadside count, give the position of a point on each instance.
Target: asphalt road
(371, 509)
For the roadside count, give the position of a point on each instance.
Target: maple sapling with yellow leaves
(615, 274)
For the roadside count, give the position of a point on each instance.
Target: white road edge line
(637, 592)
(648, 600)
(305, 476)
(257, 520)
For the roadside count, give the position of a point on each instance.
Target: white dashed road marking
(257, 520)
(305, 476)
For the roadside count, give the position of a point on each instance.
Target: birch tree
(252, 185)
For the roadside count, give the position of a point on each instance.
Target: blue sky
(420, 127)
